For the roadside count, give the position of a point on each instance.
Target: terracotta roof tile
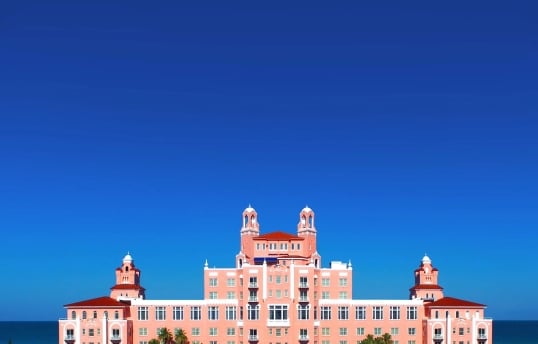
(278, 236)
(426, 286)
(448, 302)
(127, 286)
(103, 301)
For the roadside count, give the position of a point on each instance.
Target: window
(253, 312)
(303, 334)
(360, 331)
(278, 279)
(394, 331)
(411, 331)
(230, 295)
(160, 313)
(461, 331)
(143, 313)
(325, 331)
(342, 295)
(302, 312)
(195, 331)
(278, 312)
(230, 331)
(91, 332)
(325, 282)
(360, 312)
(177, 313)
(213, 331)
(213, 295)
(325, 313)
(143, 331)
(84, 316)
(377, 313)
(196, 313)
(394, 313)
(73, 315)
(94, 314)
(342, 282)
(412, 313)
(325, 295)
(377, 331)
(230, 282)
(212, 282)
(253, 334)
(116, 315)
(411, 342)
(253, 282)
(231, 312)
(213, 313)
(115, 333)
(343, 313)
(343, 331)
(303, 282)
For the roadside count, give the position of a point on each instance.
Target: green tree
(384, 339)
(180, 337)
(165, 336)
(154, 341)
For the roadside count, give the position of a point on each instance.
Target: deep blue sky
(409, 128)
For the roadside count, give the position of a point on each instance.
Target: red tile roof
(103, 301)
(278, 236)
(127, 286)
(426, 286)
(449, 302)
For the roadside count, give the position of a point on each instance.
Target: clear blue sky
(408, 127)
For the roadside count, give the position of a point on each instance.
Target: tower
(426, 286)
(249, 229)
(127, 281)
(306, 229)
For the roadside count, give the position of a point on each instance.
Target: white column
(77, 330)
(104, 330)
(264, 277)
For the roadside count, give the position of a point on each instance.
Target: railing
(253, 285)
(253, 299)
(303, 337)
(303, 284)
(438, 336)
(303, 299)
(482, 336)
(253, 337)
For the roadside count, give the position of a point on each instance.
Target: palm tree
(165, 335)
(386, 339)
(368, 340)
(180, 337)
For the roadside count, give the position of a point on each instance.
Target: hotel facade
(277, 293)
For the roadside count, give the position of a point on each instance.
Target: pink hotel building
(277, 293)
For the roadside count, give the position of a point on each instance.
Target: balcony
(252, 299)
(303, 299)
(303, 338)
(482, 338)
(253, 338)
(69, 339)
(303, 285)
(115, 339)
(253, 285)
(437, 338)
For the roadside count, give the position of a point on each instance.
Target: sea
(46, 332)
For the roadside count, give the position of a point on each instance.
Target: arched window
(310, 221)
(84, 315)
(73, 315)
(116, 315)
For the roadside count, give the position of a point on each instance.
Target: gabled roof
(278, 236)
(450, 302)
(127, 286)
(103, 301)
